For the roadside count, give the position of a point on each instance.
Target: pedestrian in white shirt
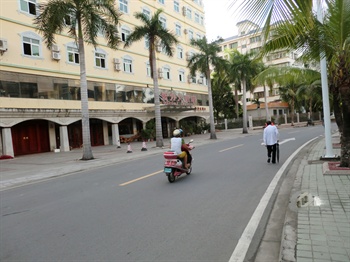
(270, 140)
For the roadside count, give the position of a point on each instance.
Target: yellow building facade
(40, 88)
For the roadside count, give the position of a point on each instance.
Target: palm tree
(88, 18)
(299, 28)
(203, 61)
(154, 32)
(243, 68)
(290, 80)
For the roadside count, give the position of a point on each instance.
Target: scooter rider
(179, 148)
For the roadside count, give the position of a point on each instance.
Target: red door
(30, 137)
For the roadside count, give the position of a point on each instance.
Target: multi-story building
(250, 38)
(40, 109)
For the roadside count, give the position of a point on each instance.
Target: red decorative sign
(173, 98)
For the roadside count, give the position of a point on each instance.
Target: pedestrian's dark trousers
(272, 149)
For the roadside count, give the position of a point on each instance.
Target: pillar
(64, 147)
(7, 146)
(250, 120)
(105, 133)
(285, 118)
(297, 117)
(115, 135)
(52, 136)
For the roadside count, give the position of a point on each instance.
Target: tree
(243, 68)
(202, 61)
(290, 81)
(156, 34)
(87, 19)
(223, 101)
(298, 28)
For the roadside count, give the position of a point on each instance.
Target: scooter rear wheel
(189, 171)
(171, 176)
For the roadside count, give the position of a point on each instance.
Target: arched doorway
(30, 137)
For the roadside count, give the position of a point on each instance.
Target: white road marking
(140, 178)
(243, 244)
(230, 148)
(287, 140)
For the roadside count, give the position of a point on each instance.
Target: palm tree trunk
(236, 100)
(85, 120)
(157, 114)
(292, 111)
(211, 110)
(266, 106)
(245, 119)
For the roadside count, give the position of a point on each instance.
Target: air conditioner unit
(185, 31)
(117, 66)
(3, 44)
(160, 72)
(55, 48)
(189, 79)
(184, 10)
(159, 48)
(116, 61)
(56, 55)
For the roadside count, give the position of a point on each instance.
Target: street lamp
(325, 94)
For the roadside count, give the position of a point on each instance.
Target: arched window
(31, 44)
(100, 58)
(127, 64)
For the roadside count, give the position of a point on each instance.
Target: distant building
(40, 88)
(250, 39)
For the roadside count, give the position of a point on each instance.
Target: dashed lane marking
(230, 148)
(140, 178)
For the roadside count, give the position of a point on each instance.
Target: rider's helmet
(177, 132)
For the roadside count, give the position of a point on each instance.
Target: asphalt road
(130, 212)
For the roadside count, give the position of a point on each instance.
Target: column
(285, 118)
(297, 117)
(250, 120)
(64, 147)
(134, 126)
(7, 146)
(105, 133)
(52, 136)
(115, 135)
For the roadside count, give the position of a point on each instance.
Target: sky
(219, 20)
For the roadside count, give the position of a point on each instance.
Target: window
(180, 52)
(127, 65)
(162, 20)
(28, 6)
(31, 44)
(73, 54)
(166, 73)
(196, 18)
(123, 6)
(255, 39)
(176, 6)
(146, 12)
(125, 33)
(146, 43)
(198, 36)
(178, 29)
(202, 20)
(190, 34)
(189, 13)
(233, 45)
(181, 75)
(100, 59)
(148, 69)
(161, 2)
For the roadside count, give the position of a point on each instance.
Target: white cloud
(220, 20)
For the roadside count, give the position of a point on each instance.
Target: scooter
(174, 167)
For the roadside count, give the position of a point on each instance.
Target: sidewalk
(320, 206)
